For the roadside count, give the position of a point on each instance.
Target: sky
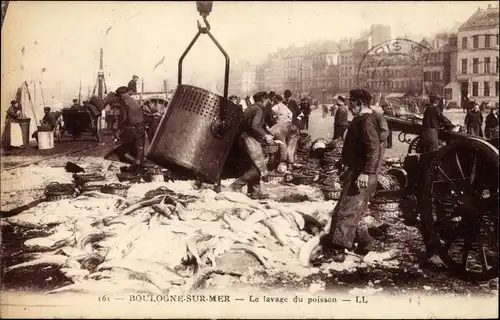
(62, 39)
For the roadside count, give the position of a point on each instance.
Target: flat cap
(361, 95)
(433, 98)
(121, 90)
(259, 96)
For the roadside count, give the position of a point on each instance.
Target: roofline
(479, 28)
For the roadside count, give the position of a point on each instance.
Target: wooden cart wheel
(416, 145)
(460, 207)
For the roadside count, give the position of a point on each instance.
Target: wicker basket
(276, 177)
(83, 178)
(116, 188)
(331, 193)
(57, 191)
(303, 179)
(129, 176)
(270, 148)
(90, 187)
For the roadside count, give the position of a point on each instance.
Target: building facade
(478, 56)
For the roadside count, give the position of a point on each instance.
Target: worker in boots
(251, 135)
(132, 132)
(433, 120)
(360, 156)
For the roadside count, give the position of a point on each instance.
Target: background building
(477, 56)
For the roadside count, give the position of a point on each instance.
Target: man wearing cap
(360, 156)
(432, 121)
(48, 121)
(132, 133)
(285, 132)
(341, 121)
(305, 107)
(132, 85)
(251, 135)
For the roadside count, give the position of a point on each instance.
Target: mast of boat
(80, 94)
(100, 76)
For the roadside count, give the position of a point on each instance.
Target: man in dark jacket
(251, 135)
(305, 107)
(474, 121)
(491, 124)
(132, 134)
(360, 156)
(433, 120)
(132, 85)
(341, 119)
(49, 121)
(292, 105)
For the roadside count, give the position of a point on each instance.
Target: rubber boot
(242, 181)
(255, 191)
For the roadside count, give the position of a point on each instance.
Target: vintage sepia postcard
(249, 159)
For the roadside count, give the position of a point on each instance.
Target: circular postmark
(393, 65)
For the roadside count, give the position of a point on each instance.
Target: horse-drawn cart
(78, 122)
(457, 194)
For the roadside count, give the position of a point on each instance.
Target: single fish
(203, 275)
(275, 231)
(56, 260)
(143, 204)
(251, 250)
(307, 249)
(141, 265)
(85, 241)
(74, 275)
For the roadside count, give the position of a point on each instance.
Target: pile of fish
(170, 238)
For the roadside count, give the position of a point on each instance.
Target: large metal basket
(199, 127)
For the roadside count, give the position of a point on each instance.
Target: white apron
(16, 136)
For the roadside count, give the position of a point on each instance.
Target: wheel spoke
(459, 165)
(473, 170)
(482, 257)
(453, 185)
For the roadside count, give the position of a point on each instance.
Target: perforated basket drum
(186, 137)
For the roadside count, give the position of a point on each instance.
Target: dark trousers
(305, 123)
(338, 132)
(429, 139)
(345, 228)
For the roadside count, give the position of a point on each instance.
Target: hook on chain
(206, 28)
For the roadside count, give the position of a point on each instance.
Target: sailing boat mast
(100, 76)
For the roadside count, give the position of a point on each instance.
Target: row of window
(432, 76)
(486, 41)
(486, 89)
(390, 84)
(476, 63)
